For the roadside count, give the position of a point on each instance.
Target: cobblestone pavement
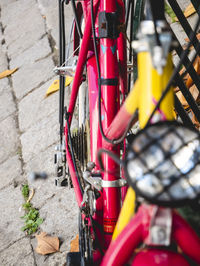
(29, 129)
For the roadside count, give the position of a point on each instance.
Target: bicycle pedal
(61, 182)
(37, 175)
(73, 259)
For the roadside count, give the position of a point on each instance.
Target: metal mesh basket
(163, 164)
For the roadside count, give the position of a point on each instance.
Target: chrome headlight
(163, 163)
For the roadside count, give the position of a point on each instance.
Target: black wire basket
(163, 164)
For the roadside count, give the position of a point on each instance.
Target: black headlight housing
(162, 164)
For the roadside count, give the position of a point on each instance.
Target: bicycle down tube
(109, 202)
(112, 229)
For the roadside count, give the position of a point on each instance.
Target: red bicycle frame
(110, 201)
(113, 62)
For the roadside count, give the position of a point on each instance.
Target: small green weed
(25, 191)
(31, 218)
(170, 12)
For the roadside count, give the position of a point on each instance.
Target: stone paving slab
(29, 131)
(8, 108)
(18, 254)
(40, 49)
(41, 162)
(20, 34)
(30, 77)
(3, 61)
(10, 172)
(4, 85)
(15, 10)
(44, 189)
(61, 216)
(5, 3)
(10, 222)
(61, 220)
(9, 139)
(40, 108)
(49, 8)
(39, 137)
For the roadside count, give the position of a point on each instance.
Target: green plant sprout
(32, 219)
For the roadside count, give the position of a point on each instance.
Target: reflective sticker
(113, 48)
(109, 225)
(103, 48)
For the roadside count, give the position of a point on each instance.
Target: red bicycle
(161, 162)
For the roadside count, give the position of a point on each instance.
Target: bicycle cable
(112, 141)
(176, 70)
(76, 19)
(111, 154)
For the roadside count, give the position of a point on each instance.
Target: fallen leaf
(46, 244)
(189, 10)
(198, 37)
(7, 73)
(182, 99)
(176, 89)
(55, 85)
(195, 94)
(74, 244)
(195, 120)
(196, 65)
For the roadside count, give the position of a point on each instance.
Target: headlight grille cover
(163, 163)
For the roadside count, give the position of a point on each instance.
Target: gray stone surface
(30, 77)
(5, 3)
(40, 49)
(41, 107)
(22, 31)
(4, 85)
(18, 254)
(8, 108)
(3, 62)
(29, 131)
(10, 172)
(10, 222)
(49, 9)
(44, 189)
(15, 10)
(43, 161)
(59, 212)
(9, 138)
(39, 137)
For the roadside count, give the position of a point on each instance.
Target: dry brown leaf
(195, 120)
(189, 10)
(7, 73)
(196, 65)
(182, 99)
(198, 37)
(74, 244)
(176, 89)
(46, 244)
(195, 92)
